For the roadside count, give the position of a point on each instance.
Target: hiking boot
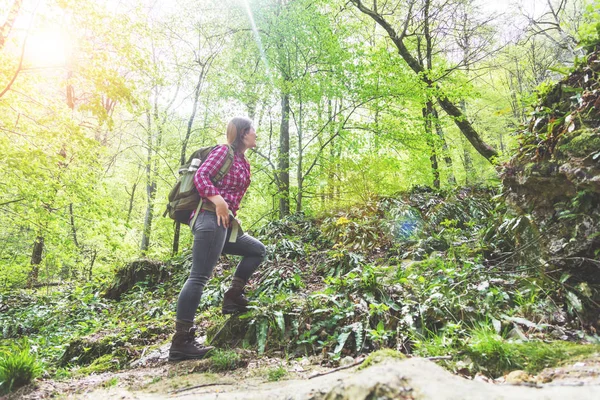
(185, 347)
(234, 301)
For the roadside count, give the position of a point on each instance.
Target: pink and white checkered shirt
(234, 184)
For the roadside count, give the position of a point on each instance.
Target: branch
(199, 386)
(17, 71)
(338, 369)
(11, 201)
(10, 20)
(270, 163)
(330, 139)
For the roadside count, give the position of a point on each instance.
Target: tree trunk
(299, 175)
(73, 229)
(427, 118)
(284, 157)
(131, 200)
(467, 160)
(92, 261)
(445, 151)
(150, 189)
(330, 170)
(176, 236)
(10, 21)
(36, 260)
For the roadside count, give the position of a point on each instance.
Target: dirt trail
(412, 378)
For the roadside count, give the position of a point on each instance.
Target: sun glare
(47, 49)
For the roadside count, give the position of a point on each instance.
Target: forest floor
(413, 378)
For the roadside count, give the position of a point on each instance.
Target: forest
(426, 182)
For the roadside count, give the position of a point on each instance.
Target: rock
(517, 333)
(125, 278)
(517, 377)
(346, 361)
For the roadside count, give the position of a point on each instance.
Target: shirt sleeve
(209, 169)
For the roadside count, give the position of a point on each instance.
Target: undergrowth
(425, 273)
(18, 367)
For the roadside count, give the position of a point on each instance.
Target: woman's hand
(222, 210)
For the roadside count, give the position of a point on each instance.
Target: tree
(398, 38)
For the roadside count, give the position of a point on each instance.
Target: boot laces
(191, 337)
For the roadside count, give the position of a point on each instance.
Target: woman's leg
(252, 252)
(208, 244)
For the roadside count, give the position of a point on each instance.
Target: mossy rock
(143, 270)
(228, 333)
(380, 356)
(121, 345)
(84, 351)
(582, 143)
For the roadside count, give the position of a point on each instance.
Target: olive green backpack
(184, 197)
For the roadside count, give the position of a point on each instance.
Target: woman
(212, 229)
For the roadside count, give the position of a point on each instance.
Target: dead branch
(337, 369)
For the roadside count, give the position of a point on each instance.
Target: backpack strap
(196, 213)
(226, 165)
(220, 174)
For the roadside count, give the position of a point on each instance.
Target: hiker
(214, 229)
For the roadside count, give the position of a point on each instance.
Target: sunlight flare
(47, 48)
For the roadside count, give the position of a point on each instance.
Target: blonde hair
(237, 128)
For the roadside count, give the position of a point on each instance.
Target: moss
(381, 355)
(107, 362)
(495, 357)
(582, 143)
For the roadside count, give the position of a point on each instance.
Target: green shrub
(224, 360)
(18, 367)
(275, 374)
(495, 356)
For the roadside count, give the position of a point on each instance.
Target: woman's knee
(197, 281)
(261, 250)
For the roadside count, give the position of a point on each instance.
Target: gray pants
(210, 240)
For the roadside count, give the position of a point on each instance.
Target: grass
(224, 360)
(18, 367)
(111, 382)
(276, 374)
(492, 355)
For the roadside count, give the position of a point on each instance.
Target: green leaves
(18, 367)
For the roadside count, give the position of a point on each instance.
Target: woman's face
(250, 139)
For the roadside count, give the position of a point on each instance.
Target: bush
(276, 374)
(224, 360)
(18, 367)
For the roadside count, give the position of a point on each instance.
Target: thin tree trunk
(446, 152)
(150, 189)
(284, 157)
(331, 171)
(467, 160)
(131, 199)
(427, 117)
(299, 175)
(428, 109)
(10, 21)
(36, 260)
(73, 229)
(94, 254)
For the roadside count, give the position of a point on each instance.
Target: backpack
(184, 197)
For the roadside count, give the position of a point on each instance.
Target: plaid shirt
(233, 185)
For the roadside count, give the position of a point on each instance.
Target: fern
(261, 335)
(280, 321)
(359, 335)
